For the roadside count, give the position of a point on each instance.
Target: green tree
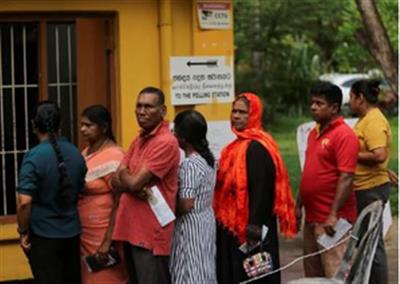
(282, 46)
(374, 37)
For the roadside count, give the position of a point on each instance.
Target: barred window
(62, 73)
(20, 68)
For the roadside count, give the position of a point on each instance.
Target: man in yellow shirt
(375, 136)
(371, 180)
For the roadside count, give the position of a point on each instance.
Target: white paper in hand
(341, 228)
(160, 207)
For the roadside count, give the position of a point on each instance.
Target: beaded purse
(257, 264)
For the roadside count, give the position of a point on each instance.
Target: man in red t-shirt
(326, 191)
(152, 159)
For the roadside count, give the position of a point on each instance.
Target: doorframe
(42, 18)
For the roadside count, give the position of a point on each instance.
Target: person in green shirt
(51, 177)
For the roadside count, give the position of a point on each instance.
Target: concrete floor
(292, 249)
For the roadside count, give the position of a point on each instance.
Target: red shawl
(232, 210)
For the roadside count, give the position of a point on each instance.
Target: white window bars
(19, 93)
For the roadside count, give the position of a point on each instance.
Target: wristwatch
(22, 232)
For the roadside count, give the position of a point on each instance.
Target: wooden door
(94, 70)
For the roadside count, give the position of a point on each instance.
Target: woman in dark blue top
(52, 176)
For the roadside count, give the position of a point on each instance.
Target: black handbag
(94, 264)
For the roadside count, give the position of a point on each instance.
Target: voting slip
(341, 228)
(160, 207)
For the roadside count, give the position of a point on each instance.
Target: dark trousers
(55, 261)
(379, 270)
(145, 268)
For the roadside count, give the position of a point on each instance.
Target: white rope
(296, 260)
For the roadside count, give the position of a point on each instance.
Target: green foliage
(282, 46)
(388, 10)
(284, 131)
(350, 56)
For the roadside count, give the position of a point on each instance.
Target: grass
(284, 131)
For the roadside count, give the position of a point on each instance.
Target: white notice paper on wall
(219, 135)
(214, 15)
(160, 207)
(201, 79)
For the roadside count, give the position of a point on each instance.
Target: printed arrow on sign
(209, 63)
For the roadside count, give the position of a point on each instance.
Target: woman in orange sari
(252, 191)
(98, 205)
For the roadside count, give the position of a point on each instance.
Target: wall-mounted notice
(214, 15)
(201, 79)
(219, 135)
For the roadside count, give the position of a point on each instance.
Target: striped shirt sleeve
(189, 180)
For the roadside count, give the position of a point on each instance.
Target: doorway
(68, 60)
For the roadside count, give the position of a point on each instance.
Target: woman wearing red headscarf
(252, 190)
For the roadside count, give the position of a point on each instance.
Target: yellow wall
(138, 64)
(138, 44)
(214, 42)
(13, 263)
